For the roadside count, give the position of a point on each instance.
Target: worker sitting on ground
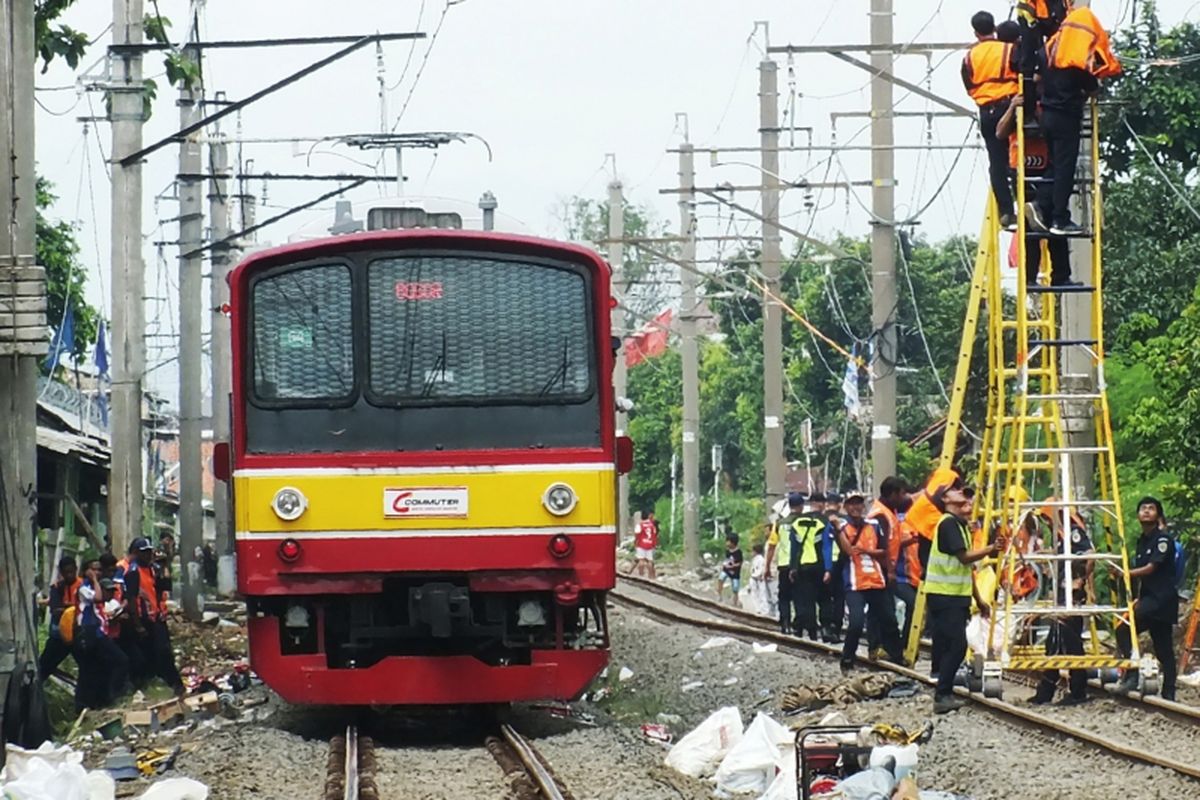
(1157, 606)
(866, 591)
(1077, 57)
(949, 587)
(990, 79)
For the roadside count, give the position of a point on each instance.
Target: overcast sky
(553, 86)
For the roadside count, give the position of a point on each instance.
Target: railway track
(351, 769)
(351, 766)
(735, 622)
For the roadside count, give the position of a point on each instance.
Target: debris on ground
(657, 732)
(51, 773)
(872, 686)
(625, 674)
(717, 641)
(751, 765)
(700, 751)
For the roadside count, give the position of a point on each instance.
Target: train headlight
(559, 499)
(289, 503)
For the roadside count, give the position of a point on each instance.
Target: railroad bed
(356, 768)
(1158, 735)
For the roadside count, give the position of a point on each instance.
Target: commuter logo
(441, 501)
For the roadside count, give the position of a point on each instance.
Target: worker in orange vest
(885, 513)
(990, 79)
(928, 507)
(143, 587)
(62, 596)
(1077, 57)
(866, 585)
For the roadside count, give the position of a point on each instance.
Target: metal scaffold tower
(1047, 477)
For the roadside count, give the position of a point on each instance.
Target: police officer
(1157, 606)
(144, 590)
(1066, 634)
(808, 533)
(833, 591)
(780, 546)
(990, 79)
(949, 587)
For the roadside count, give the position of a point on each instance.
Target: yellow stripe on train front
(348, 500)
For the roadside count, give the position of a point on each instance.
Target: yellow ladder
(1025, 464)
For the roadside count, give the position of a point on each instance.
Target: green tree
(54, 39)
(66, 275)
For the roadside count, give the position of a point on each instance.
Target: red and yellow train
(424, 463)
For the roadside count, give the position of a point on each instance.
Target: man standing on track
(644, 544)
(833, 595)
(893, 495)
(1157, 606)
(949, 586)
(781, 552)
(865, 584)
(809, 532)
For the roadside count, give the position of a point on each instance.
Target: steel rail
(351, 766)
(543, 781)
(1171, 708)
(998, 706)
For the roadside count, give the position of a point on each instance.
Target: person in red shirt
(866, 582)
(645, 541)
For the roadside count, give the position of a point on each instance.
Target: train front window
(470, 329)
(302, 324)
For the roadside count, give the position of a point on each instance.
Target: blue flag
(63, 341)
(102, 368)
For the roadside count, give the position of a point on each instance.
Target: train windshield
(429, 350)
(473, 328)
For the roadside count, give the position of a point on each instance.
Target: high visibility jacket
(807, 531)
(908, 566)
(881, 511)
(988, 73)
(946, 575)
(782, 539)
(1043, 10)
(1082, 43)
(149, 601)
(864, 572)
(928, 506)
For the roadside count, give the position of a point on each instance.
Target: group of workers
(1049, 62)
(840, 561)
(110, 615)
(841, 567)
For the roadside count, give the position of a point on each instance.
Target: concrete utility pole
(616, 259)
(691, 359)
(191, 262)
(22, 343)
(775, 461)
(128, 280)
(221, 260)
(883, 248)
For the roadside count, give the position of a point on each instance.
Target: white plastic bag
(702, 749)
(750, 765)
(48, 773)
(783, 787)
(176, 789)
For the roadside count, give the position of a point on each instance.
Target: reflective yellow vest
(946, 575)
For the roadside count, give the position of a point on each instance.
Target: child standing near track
(731, 570)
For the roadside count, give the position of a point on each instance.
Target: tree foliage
(66, 275)
(54, 39)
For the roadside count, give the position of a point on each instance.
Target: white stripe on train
(456, 533)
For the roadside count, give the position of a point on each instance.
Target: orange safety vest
(148, 594)
(1035, 10)
(71, 591)
(1082, 43)
(928, 506)
(878, 509)
(911, 555)
(988, 72)
(865, 572)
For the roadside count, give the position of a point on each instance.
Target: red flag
(650, 341)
